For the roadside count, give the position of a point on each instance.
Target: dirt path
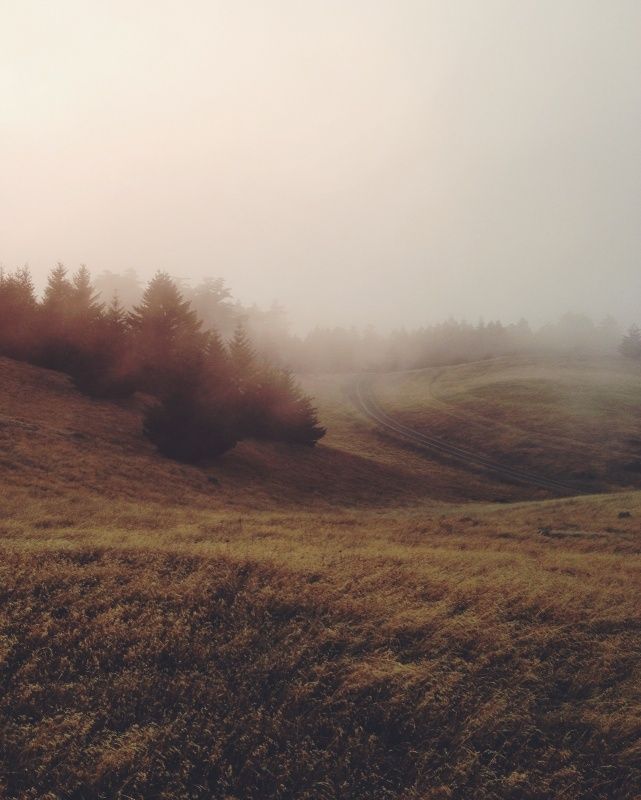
(362, 396)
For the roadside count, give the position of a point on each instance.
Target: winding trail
(363, 398)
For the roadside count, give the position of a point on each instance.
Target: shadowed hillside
(302, 624)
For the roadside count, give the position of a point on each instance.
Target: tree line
(209, 393)
(348, 349)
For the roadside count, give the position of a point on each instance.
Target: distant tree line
(341, 349)
(209, 393)
(335, 349)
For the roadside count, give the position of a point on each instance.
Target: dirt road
(363, 397)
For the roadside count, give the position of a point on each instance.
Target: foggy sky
(386, 161)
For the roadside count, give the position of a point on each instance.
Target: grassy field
(571, 418)
(355, 621)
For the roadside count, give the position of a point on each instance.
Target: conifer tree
(57, 292)
(18, 309)
(116, 316)
(284, 412)
(83, 300)
(242, 355)
(106, 368)
(167, 336)
(55, 348)
(211, 301)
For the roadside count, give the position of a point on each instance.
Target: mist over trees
(340, 349)
(207, 394)
(218, 371)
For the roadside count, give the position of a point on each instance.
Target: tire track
(363, 398)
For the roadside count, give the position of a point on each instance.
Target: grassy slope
(568, 417)
(254, 637)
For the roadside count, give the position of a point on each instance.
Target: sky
(394, 162)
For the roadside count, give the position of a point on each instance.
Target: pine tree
(167, 336)
(18, 310)
(57, 292)
(83, 300)
(188, 427)
(106, 369)
(211, 300)
(242, 355)
(283, 412)
(116, 316)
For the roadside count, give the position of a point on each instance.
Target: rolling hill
(360, 620)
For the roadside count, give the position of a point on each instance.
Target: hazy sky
(390, 161)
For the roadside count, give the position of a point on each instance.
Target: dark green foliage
(58, 345)
(207, 396)
(242, 358)
(283, 412)
(189, 427)
(271, 405)
(18, 314)
(58, 292)
(107, 368)
(166, 337)
(84, 307)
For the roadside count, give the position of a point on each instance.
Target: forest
(349, 349)
(220, 372)
(206, 394)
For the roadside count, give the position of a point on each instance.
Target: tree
(190, 426)
(283, 412)
(18, 308)
(57, 292)
(211, 301)
(84, 306)
(630, 346)
(55, 349)
(106, 368)
(241, 354)
(127, 286)
(167, 338)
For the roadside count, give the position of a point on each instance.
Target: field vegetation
(350, 621)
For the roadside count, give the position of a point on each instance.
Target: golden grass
(571, 418)
(165, 636)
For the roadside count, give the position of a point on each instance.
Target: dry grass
(575, 418)
(165, 636)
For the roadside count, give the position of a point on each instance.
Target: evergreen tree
(83, 300)
(116, 316)
(127, 286)
(167, 337)
(211, 301)
(242, 355)
(18, 309)
(188, 427)
(198, 418)
(55, 348)
(283, 412)
(57, 292)
(106, 369)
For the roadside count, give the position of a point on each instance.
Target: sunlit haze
(359, 161)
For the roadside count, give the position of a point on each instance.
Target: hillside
(354, 621)
(571, 418)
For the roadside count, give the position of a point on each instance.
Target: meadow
(354, 621)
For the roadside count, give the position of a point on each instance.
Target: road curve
(363, 398)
